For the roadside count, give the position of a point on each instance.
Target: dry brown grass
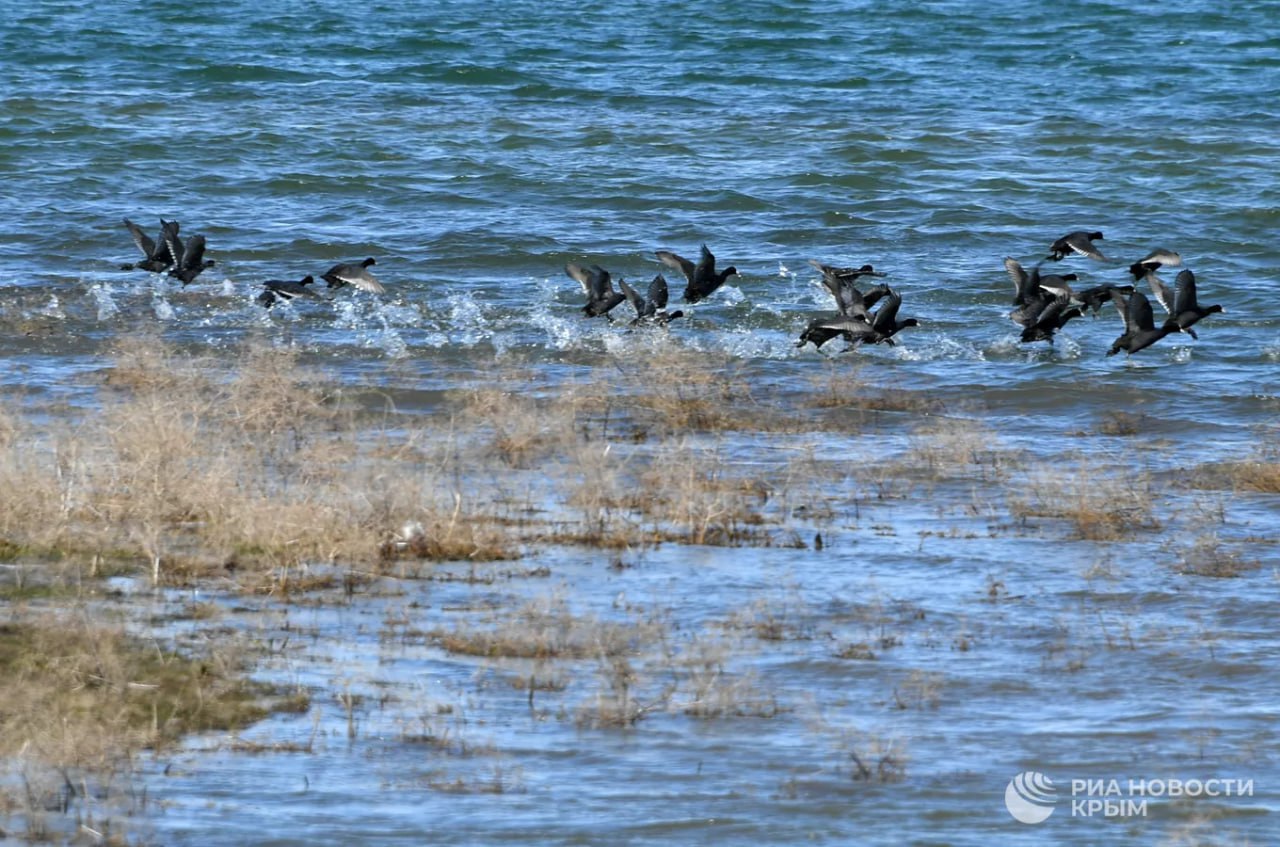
(1102, 504)
(1260, 476)
(1208, 556)
(945, 447)
(547, 628)
(193, 463)
(81, 700)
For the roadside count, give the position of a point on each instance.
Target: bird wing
(1160, 291)
(1081, 243)
(1139, 316)
(705, 272)
(658, 293)
(633, 297)
(140, 238)
(886, 319)
(1018, 275)
(169, 232)
(1185, 300)
(354, 275)
(193, 256)
(873, 295)
(855, 328)
(676, 262)
(579, 273)
(830, 278)
(1122, 306)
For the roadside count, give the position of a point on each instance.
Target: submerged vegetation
(262, 477)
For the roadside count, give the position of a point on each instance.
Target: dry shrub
(1260, 473)
(1261, 476)
(617, 702)
(1101, 503)
(446, 536)
(81, 700)
(696, 492)
(675, 391)
(195, 462)
(543, 629)
(1208, 556)
(713, 691)
(36, 486)
(945, 447)
(522, 428)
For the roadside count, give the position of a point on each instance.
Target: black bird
(157, 255)
(188, 261)
(278, 289)
(1033, 291)
(1183, 308)
(1095, 297)
(1079, 242)
(597, 284)
(883, 326)
(651, 308)
(841, 282)
(1140, 329)
(702, 277)
(1153, 261)
(355, 275)
(851, 304)
(1053, 314)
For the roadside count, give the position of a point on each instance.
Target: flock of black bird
(1044, 302)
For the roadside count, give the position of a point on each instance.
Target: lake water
(475, 148)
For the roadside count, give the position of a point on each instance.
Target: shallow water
(475, 149)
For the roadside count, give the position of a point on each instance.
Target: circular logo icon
(1030, 797)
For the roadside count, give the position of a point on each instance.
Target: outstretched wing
(1160, 291)
(886, 319)
(633, 297)
(140, 238)
(1185, 300)
(677, 262)
(658, 293)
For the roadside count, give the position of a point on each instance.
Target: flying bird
(652, 307)
(703, 278)
(1077, 243)
(277, 290)
(156, 255)
(597, 284)
(354, 275)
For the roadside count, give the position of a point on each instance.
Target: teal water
(476, 147)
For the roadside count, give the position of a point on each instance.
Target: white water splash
(912, 347)
(731, 295)
(161, 306)
(102, 296)
(53, 309)
(467, 319)
(561, 333)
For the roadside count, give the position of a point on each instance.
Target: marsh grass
(1209, 556)
(1260, 476)
(546, 628)
(944, 447)
(82, 700)
(1101, 504)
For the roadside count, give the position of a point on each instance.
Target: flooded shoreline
(817, 610)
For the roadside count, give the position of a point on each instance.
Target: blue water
(476, 147)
